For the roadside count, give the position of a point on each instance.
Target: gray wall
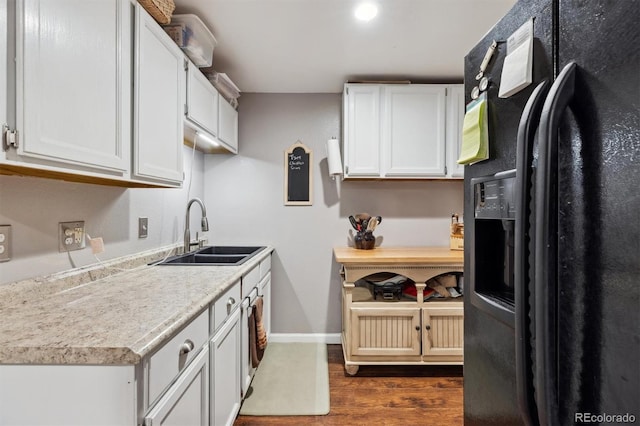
(34, 206)
(245, 203)
(244, 197)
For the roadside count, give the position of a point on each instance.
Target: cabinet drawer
(225, 304)
(265, 266)
(250, 280)
(170, 359)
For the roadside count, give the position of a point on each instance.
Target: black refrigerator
(552, 228)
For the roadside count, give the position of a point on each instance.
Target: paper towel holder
(334, 159)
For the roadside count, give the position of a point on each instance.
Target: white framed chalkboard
(298, 175)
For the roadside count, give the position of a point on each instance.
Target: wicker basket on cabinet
(161, 10)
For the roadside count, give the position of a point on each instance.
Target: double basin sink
(215, 256)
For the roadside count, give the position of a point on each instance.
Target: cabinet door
(3, 66)
(228, 125)
(73, 82)
(186, 402)
(202, 101)
(414, 130)
(159, 102)
(361, 130)
(385, 331)
(443, 329)
(264, 290)
(225, 372)
(455, 118)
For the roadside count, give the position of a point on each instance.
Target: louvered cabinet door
(385, 331)
(443, 329)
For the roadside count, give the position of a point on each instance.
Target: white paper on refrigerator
(518, 64)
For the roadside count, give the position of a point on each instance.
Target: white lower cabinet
(193, 379)
(225, 372)
(69, 395)
(186, 402)
(264, 291)
(247, 368)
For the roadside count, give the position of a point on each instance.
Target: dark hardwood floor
(384, 395)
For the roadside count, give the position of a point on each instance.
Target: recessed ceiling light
(366, 11)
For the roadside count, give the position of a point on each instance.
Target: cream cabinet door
(414, 130)
(159, 99)
(385, 331)
(202, 101)
(186, 402)
(443, 328)
(455, 118)
(73, 82)
(361, 126)
(228, 125)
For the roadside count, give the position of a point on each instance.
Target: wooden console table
(387, 332)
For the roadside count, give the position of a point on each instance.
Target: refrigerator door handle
(546, 246)
(524, 361)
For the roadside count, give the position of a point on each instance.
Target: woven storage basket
(161, 10)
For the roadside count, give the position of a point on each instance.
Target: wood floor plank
(383, 395)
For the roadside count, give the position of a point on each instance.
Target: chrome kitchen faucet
(204, 223)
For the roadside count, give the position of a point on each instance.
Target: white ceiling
(314, 46)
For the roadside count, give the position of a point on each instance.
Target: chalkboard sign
(298, 176)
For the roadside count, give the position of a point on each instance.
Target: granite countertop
(117, 319)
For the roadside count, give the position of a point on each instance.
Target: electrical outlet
(5, 243)
(71, 236)
(143, 227)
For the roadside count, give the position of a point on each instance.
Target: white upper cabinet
(202, 101)
(3, 68)
(72, 83)
(209, 114)
(361, 126)
(397, 131)
(455, 119)
(159, 98)
(227, 125)
(414, 130)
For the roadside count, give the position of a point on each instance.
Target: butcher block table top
(399, 255)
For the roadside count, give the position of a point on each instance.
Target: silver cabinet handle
(186, 347)
(231, 302)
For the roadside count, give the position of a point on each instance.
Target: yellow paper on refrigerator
(475, 133)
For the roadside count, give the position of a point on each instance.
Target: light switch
(143, 227)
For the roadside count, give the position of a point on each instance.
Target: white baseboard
(328, 338)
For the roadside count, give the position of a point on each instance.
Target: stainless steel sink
(215, 256)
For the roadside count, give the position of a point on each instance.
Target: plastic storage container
(225, 86)
(193, 37)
